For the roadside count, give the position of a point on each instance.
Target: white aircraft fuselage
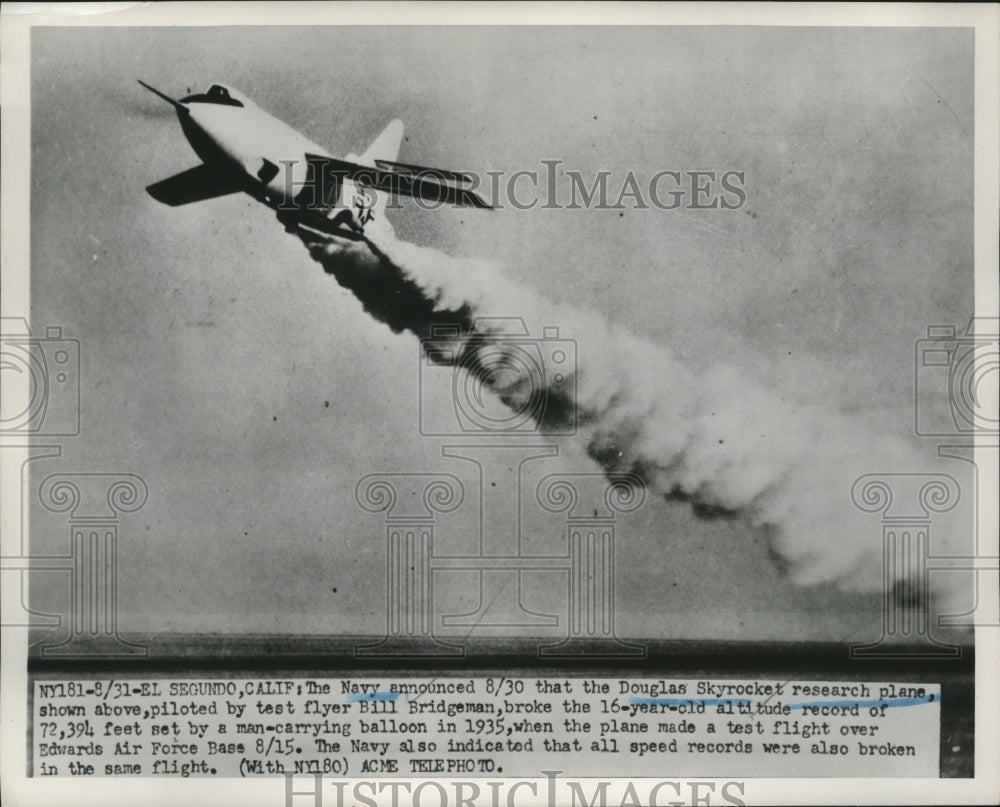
(243, 148)
(246, 139)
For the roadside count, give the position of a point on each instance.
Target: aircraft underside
(341, 225)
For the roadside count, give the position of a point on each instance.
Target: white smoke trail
(716, 438)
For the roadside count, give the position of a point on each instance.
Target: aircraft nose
(172, 101)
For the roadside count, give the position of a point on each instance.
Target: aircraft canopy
(217, 94)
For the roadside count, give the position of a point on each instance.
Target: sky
(251, 392)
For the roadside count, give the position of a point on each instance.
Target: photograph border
(16, 22)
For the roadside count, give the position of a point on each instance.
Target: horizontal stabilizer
(194, 185)
(428, 187)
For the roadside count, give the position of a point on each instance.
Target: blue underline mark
(890, 703)
(366, 698)
(687, 701)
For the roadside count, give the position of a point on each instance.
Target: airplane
(244, 149)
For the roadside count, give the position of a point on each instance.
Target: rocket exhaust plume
(715, 438)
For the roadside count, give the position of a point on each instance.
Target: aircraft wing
(194, 185)
(399, 179)
(454, 176)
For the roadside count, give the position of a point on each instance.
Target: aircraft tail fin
(385, 146)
